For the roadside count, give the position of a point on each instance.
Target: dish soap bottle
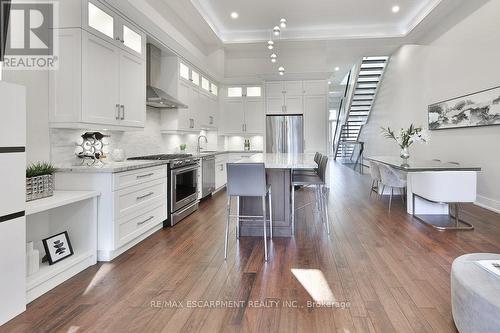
(247, 144)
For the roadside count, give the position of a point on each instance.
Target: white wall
(462, 61)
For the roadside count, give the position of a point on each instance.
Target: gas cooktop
(160, 157)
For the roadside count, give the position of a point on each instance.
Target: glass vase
(405, 153)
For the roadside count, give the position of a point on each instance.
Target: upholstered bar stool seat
(475, 295)
(248, 180)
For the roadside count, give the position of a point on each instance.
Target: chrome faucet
(199, 145)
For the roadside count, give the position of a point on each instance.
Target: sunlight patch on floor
(101, 273)
(314, 282)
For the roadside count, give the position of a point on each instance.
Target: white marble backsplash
(145, 142)
(135, 143)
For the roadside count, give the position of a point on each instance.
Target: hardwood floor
(386, 271)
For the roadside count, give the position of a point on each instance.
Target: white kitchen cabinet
(132, 39)
(103, 22)
(294, 104)
(315, 87)
(293, 88)
(275, 89)
(97, 84)
(12, 260)
(234, 116)
(132, 92)
(132, 205)
(101, 89)
(185, 83)
(220, 171)
(315, 123)
(254, 115)
(275, 104)
(243, 116)
(289, 101)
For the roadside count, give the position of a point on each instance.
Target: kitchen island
(279, 171)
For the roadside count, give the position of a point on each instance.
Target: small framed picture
(57, 247)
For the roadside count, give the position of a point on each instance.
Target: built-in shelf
(59, 199)
(50, 276)
(74, 212)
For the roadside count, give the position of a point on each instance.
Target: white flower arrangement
(407, 137)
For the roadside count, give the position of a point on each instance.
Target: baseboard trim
(488, 204)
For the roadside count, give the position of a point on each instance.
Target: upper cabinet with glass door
(244, 91)
(108, 25)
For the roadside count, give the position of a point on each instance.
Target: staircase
(363, 95)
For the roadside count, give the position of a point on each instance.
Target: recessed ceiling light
(273, 57)
(337, 69)
(283, 23)
(234, 15)
(270, 44)
(329, 82)
(395, 9)
(276, 30)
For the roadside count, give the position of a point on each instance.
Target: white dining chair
(376, 179)
(391, 178)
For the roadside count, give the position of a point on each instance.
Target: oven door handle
(188, 168)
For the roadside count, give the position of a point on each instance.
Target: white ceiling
(313, 19)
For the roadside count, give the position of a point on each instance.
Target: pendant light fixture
(271, 44)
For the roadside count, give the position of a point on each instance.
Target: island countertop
(282, 161)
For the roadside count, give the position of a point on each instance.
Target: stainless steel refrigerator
(285, 134)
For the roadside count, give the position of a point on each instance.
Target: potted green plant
(183, 147)
(39, 181)
(406, 138)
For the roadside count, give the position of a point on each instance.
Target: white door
(13, 268)
(294, 104)
(254, 116)
(13, 124)
(275, 105)
(274, 89)
(315, 124)
(132, 90)
(233, 115)
(100, 81)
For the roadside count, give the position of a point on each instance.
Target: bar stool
(248, 180)
(317, 159)
(392, 179)
(376, 178)
(318, 181)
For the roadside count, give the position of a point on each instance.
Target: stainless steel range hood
(156, 97)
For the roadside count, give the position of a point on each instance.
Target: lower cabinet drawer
(132, 199)
(139, 176)
(131, 227)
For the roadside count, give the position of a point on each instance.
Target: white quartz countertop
(109, 167)
(282, 161)
(113, 167)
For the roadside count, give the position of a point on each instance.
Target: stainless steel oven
(183, 191)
